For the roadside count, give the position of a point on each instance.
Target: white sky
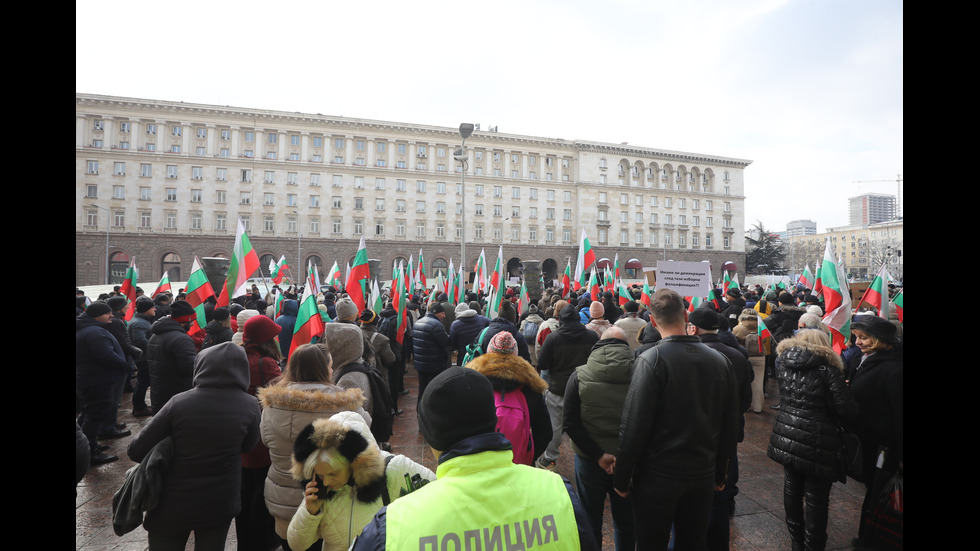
(810, 91)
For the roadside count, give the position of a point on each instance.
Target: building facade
(163, 182)
(800, 227)
(871, 208)
(864, 249)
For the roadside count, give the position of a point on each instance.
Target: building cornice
(660, 154)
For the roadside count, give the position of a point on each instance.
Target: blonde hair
(814, 336)
(330, 456)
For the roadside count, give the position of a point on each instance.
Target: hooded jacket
(507, 373)
(211, 425)
(813, 395)
(565, 349)
(594, 397)
(287, 321)
(287, 410)
(170, 356)
(346, 511)
(465, 330)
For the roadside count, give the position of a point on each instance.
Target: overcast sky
(810, 91)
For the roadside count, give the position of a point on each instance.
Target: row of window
(421, 228)
(682, 203)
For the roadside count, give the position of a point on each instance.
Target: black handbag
(849, 454)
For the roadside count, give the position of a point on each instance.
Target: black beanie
(457, 404)
(117, 303)
(143, 304)
(98, 308)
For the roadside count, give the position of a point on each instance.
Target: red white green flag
(594, 285)
(421, 275)
(806, 278)
(726, 281)
(877, 293)
(377, 303)
(163, 286)
(244, 262)
(566, 280)
(480, 273)
(586, 257)
(762, 331)
(360, 275)
(198, 291)
(399, 301)
(451, 283)
(278, 302)
(309, 324)
(277, 271)
(608, 281)
(693, 303)
(497, 286)
(333, 276)
(837, 301)
(523, 299)
(899, 303)
(646, 296)
(734, 283)
(616, 271)
(128, 289)
(624, 294)
(460, 287)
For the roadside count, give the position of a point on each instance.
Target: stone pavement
(758, 523)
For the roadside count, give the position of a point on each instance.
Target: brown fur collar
(824, 352)
(328, 397)
(511, 368)
(366, 462)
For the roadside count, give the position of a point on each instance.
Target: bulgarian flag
(806, 278)
(278, 303)
(694, 303)
(244, 262)
(763, 332)
(818, 285)
(593, 284)
(497, 286)
(128, 289)
(899, 303)
(586, 257)
(624, 294)
(608, 281)
(421, 268)
(451, 283)
(333, 276)
(566, 280)
(309, 324)
(480, 273)
(715, 296)
(198, 291)
(646, 295)
(460, 287)
(377, 303)
(163, 286)
(523, 298)
(725, 283)
(277, 270)
(360, 275)
(410, 283)
(877, 293)
(399, 301)
(734, 283)
(837, 301)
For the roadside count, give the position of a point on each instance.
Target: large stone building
(164, 181)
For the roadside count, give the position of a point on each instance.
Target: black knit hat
(879, 328)
(457, 404)
(117, 303)
(705, 318)
(143, 304)
(181, 311)
(97, 308)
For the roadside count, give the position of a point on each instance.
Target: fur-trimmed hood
(510, 370)
(350, 435)
(800, 355)
(311, 397)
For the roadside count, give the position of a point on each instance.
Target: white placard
(688, 279)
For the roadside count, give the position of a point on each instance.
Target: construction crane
(898, 184)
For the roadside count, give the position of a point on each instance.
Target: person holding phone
(349, 478)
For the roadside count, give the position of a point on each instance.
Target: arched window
(549, 268)
(439, 266)
(170, 264)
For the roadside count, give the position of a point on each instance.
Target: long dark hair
(309, 363)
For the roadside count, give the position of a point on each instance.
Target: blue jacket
(431, 347)
(288, 322)
(99, 359)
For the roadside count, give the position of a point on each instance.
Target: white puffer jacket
(348, 510)
(286, 410)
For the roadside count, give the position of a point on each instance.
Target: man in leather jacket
(679, 431)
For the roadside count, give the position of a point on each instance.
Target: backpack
(475, 349)
(383, 407)
(514, 422)
(530, 330)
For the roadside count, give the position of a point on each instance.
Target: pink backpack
(514, 422)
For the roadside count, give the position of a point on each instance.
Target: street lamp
(299, 244)
(465, 130)
(108, 225)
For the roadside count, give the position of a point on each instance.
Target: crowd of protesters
(305, 429)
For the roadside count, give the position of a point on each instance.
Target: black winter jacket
(565, 349)
(813, 396)
(431, 347)
(170, 355)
